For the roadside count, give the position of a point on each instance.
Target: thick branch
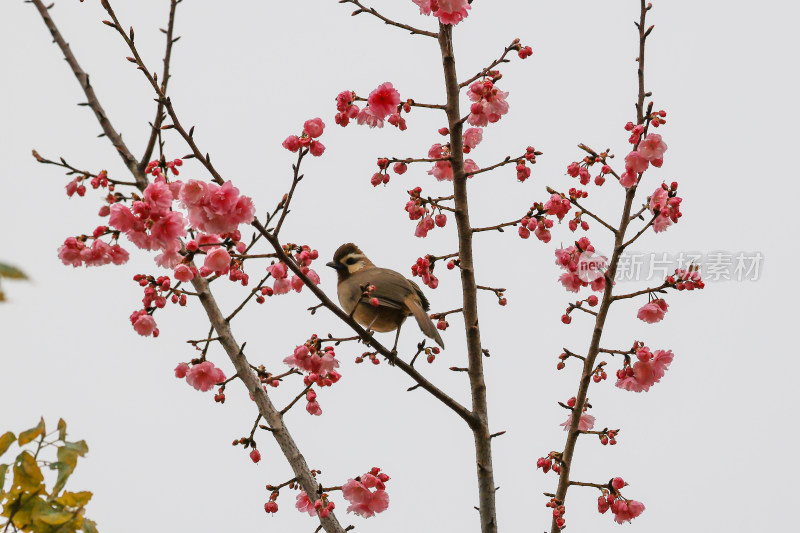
(265, 407)
(483, 440)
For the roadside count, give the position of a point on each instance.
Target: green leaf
(27, 476)
(52, 517)
(26, 436)
(6, 440)
(89, 526)
(62, 429)
(3, 470)
(11, 272)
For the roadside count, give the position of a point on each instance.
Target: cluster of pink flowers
(322, 506)
(447, 11)
(623, 510)
(653, 311)
(548, 463)
(646, 372)
(203, 376)
(650, 150)
(558, 512)
(150, 224)
(319, 364)
(303, 256)
(364, 501)
(443, 170)
(346, 108)
(686, 279)
(312, 129)
(422, 268)
(382, 102)
(488, 103)
(540, 226)
(569, 260)
(666, 203)
(523, 171)
(216, 209)
(144, 323)
(581, 171)
(75, 252)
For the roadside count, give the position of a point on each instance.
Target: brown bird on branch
(362, 285)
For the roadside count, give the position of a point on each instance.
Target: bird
(362, 285)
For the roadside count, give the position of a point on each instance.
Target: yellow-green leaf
(3, 470)
(74, 499)
(89, 526)
(52, 517)
(62, 429)
(67, 460)
(27, 475)
(11, 272)
(6, 440)
(26, 436)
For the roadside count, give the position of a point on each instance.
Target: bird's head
(349, 259)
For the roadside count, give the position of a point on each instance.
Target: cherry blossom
(383, 101)
(363, 501)
(204, 376)
(647, 371)
(489, 103)
(653, 311)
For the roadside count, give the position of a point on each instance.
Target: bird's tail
(426, 324)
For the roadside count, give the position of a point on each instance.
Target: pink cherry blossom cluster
(382, 176)
(363, 500)
(75, 252)
(156, 291)
(216, 209)
(558, 512)
(447, 11)
(76, 186)
(346, 108)
(665, 206)
(488, 102)
(523, 171)
(549, 462)
(319, 364)
(424, 269)
(417, 210)
(568, 259)
(686, 279)
(653, 311)
(650, 150)
(303, 256)
(646, 372)
(581, 171)
(323, 506)
(382, 102)
(624, 510)
(539, 225)
(202, 376)
(312, 129)
(443, 170)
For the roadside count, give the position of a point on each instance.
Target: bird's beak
(332, 265)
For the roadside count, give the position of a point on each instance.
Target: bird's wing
(391, 288)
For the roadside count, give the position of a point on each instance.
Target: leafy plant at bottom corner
(27, 505)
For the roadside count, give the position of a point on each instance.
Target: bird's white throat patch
(354, 262)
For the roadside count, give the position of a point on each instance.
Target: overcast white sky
(711, 447)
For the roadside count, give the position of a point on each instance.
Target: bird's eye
(351, 261)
